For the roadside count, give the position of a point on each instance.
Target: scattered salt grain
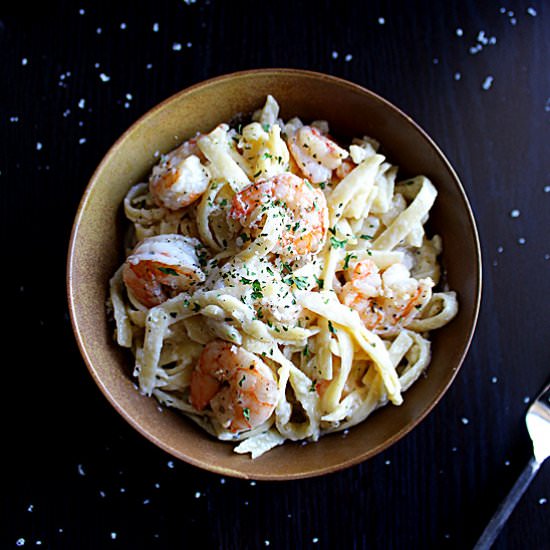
(482, 38)
(315, 540)
(381, 21)
(20, 542)
(81, 11)
(348, 57)
(514, 213)
(155, 27)
(82, 141)
(14, 119)
(506, 463)
(81, 103)
(547, 188)
(521, 240)
(38, 146)
(543, 500)
(189, 44)
(387, 462)
(526, 399)
(176, 46)
(500, 249)
(487, 83)
(464, 420)
(24, 61)
(113, 535)
(494, 379)
(170, 464)
(197, 494)
(532, 11)
(98, 30)
(547, 256)
(123, 26)
(266, 542)
(252, 484)
(435, 60)
(459, 32)
(454, 449)
(30, 508)
(146, 501)
(149, 66)
(334, 55)
(222, 481)
(102, 494)
(104, 77)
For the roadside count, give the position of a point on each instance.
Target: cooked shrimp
(306, 228)
(387, 300)
(179, 179)
(239, 387)
(315, 154)
(161, 267)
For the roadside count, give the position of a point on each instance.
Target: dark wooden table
(74, 76)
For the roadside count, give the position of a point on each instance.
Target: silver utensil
(538, 426)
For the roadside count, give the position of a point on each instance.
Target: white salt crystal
(487, 83)
(104, 77)
(514, 213)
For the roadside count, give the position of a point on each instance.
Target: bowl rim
(116, 145)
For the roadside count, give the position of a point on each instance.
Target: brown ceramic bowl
(95, 247)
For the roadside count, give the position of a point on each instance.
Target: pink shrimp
(161, 267)
(180, 178)
(386, 300)
(315, 154)
(306, 206)
(239, 387)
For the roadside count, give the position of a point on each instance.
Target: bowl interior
(95, 253)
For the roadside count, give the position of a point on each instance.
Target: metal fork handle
(506, 507)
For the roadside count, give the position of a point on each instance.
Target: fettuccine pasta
(278, 285)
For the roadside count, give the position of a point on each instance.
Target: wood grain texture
(79, 476)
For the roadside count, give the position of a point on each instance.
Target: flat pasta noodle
(304, 264)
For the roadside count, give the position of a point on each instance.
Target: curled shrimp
(239, 387)
(179, 179)
(161, 267)
(315, 154)
(386, 300)
(306, 206)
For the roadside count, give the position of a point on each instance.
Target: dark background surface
(474, 75)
